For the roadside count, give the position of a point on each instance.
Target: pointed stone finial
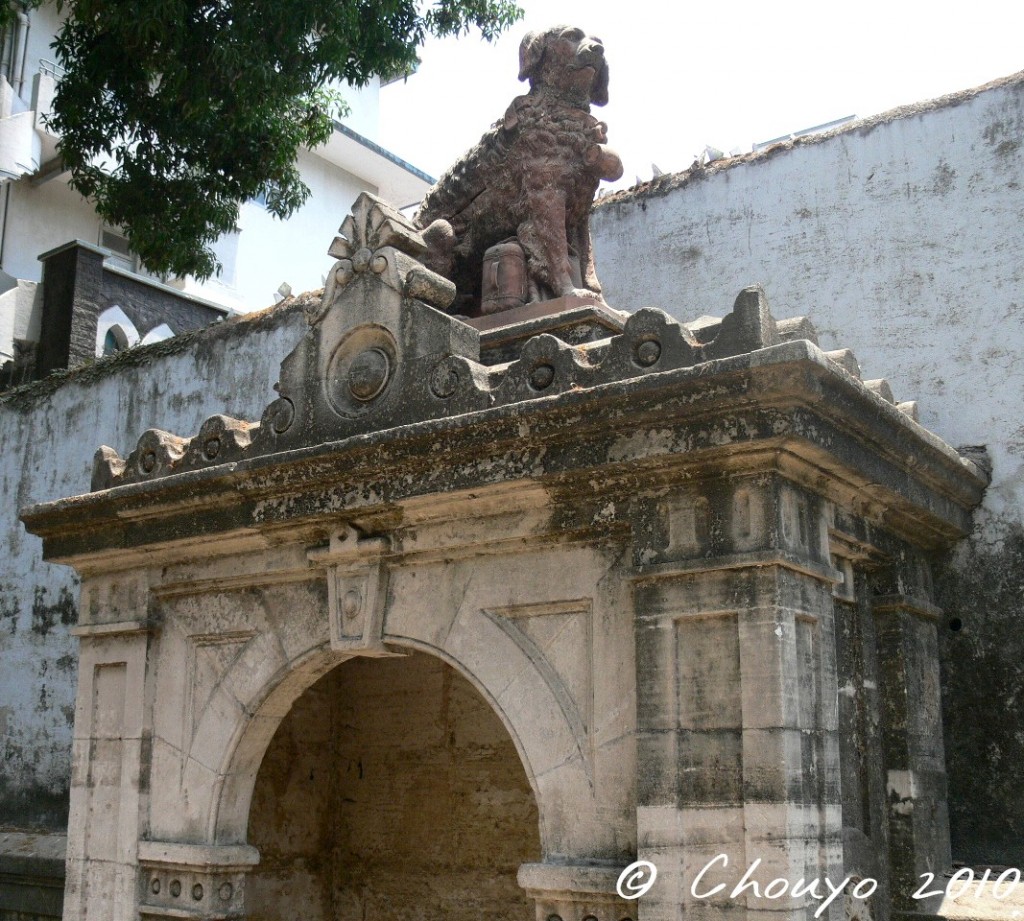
(377, 240)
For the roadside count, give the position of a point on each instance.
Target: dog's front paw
(586, 294)
(604, 162)
(440, 240)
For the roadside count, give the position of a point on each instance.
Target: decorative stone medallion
(360, 370)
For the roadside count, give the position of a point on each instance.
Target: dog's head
(568, 61)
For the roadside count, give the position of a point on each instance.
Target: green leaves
(172, 112)
(9, 10)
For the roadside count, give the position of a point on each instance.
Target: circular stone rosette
(360, 371)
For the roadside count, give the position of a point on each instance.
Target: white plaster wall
(21, 307)
(363, 104)
(271, 251)
(8, 317)
(45, 20)
(901, 240)
(48, 441)
(41, 218)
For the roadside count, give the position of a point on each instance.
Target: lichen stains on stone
(46, 616)
(200, 341)
(982, 654)
(944, 178)
(1008, 148)
(9, 610)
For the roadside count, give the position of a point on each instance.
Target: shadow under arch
(444, 796)
(233, 798)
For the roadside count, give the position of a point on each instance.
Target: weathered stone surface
(391, 786)
(900, 235)
(981, 591)
(642, 551)
(575, 320)
(520, 200)
(377, 358)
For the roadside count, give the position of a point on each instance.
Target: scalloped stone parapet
(380, 353)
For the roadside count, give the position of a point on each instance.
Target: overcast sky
(685, 75)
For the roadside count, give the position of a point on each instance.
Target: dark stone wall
(982, 652)
(31, 889)
(59, 274)
(148, 306)
(78, 287)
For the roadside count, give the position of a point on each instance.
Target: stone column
(912, 747)
(865, 826)
(109, 756)
(736, 684)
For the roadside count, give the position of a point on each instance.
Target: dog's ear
(599, 91)
(531, 53)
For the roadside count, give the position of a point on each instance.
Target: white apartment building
(40, 211)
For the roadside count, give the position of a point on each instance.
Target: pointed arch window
(114, 332)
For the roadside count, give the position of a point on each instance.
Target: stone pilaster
(865, 824)
(912, 749)
(109, 756)
(736, 683)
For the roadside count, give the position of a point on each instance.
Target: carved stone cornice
(385, 402)
(785, 407)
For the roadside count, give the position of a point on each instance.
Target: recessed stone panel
(709, 687)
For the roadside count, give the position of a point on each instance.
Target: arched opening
(157, 334)
(114, 340)
(391, 789)
(114, 332)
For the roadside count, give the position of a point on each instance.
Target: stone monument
(684, 569)
(509, 223)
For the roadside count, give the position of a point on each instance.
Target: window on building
(261, 197)
(114, 332)
(121, 256)
(120, 253)
(114, 341)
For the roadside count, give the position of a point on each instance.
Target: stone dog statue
(532, 177)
